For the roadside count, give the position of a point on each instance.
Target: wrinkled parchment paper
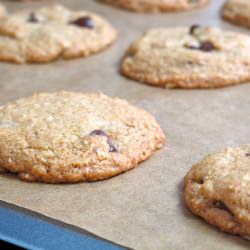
(143, 208)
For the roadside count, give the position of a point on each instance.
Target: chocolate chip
(99, 132)
(33, 18)
(247, 154)
(193, 28)
(205, 46)
(112, 148)
(85, 22)
(201, 181)
(221, 205)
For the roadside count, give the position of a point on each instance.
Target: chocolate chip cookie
(157, 5)
(194, 57)
(72, 137)
(52, 32)
(237, 11)
(217, 189)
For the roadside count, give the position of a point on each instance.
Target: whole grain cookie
(195, 57)
(217, 189)
(53, 32)
(72, 137)
(237, 11)
(156, 5)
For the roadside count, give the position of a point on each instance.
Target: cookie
(53, 32)
(237, 11)
(217, 189)
(156, 5)
(195, 57)
(72, 137)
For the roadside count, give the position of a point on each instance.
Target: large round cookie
(72, 137)
(218, 190)
(52, 32)
(192, 57)
(237, 11)
(156, 5)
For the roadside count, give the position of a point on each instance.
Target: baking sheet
(143, 208)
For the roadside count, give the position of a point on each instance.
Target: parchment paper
(143, 208)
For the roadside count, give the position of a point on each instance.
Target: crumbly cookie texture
(72, 137)
(237, 11)
(53, 32)
(156, 5)
(218, 190)
(195, 57)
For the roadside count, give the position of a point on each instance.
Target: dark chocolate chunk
(221, 205)
(205, 46)
(193, 28)
(85, 22)
(99, 132)
(201, 181)
(247, 154)
(33, 18)
(112, 148)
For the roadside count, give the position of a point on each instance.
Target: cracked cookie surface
(52, 32)
(195, 57)
(156, 5)
(72, 137)
(217, 189)
(237, 12)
